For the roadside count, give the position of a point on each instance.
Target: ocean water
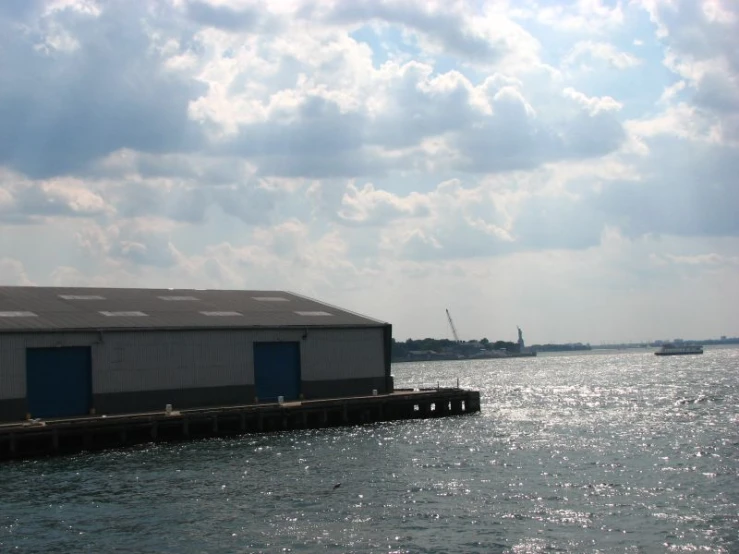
(618, 451)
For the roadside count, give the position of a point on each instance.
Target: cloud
(379, 154)
(553, 222)
(247, 18)
(369, 206)
(250, 203)
(482, 221)
(418, 104)
(193, 168)
(702, 47)
(687, 151)
(63, 107)
(695, 194)
(311, 133)
(449, 29)
(600, 51)
(173, 199)
(593, 105)
(276, 256)
(315, 133)
(462, 222)
(22, 200)
(582, 16)
(515, 137)
(65, 276)
(145, 242)
(12, 272)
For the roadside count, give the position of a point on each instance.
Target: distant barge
(34, 438)
(675, 350)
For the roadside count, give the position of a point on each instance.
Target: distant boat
(676, 350)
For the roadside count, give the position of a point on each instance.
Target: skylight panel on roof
(17, 314)
(124, 314)
(270, 298)
(312, 314)
(178, 298)
(81, 297)
(221, 314)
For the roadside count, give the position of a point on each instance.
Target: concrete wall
(144, 370)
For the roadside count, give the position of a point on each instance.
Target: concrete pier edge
(28, 439)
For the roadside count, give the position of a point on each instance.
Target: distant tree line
(560, 347)
(725, 340)
(464, 348)
(467, 348)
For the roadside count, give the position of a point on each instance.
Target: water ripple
(593, 452)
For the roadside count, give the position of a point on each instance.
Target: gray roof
(77, 308)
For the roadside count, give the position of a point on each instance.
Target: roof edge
(36, 330)
(334, 307)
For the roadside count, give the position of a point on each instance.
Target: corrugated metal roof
(79, 308)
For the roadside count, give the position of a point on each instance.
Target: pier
(33, 438)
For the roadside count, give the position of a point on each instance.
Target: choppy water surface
(597, 452)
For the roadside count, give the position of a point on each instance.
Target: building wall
(144, 370)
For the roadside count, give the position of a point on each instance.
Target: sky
(567, 166)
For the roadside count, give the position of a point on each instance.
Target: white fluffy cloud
(600, 52)
(702, 48)
(371, 153)
(13, 272)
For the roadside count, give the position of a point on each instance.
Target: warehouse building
(78, 351)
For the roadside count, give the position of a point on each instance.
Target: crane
(451, 324)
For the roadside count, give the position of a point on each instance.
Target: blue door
(58, 381)
(277, 370)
